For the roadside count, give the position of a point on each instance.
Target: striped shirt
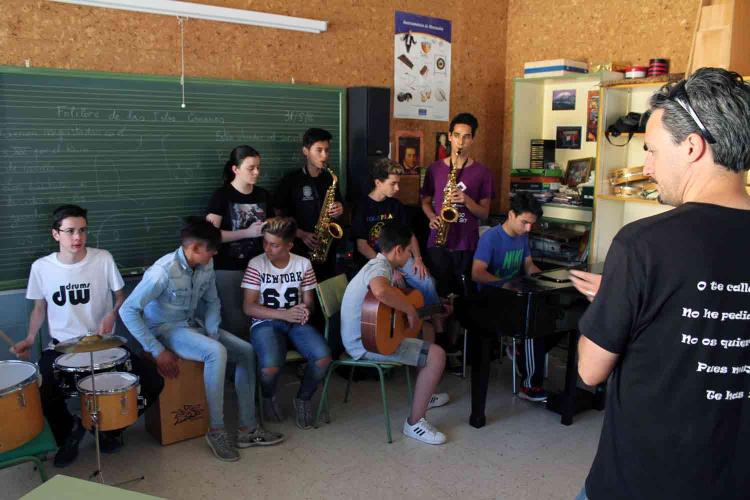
(279, 288)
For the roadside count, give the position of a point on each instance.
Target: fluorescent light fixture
(209, 12)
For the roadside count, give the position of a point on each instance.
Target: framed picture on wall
(563, 100)
(578, 171)
(410, 149)
(442, 146)
(568, 138)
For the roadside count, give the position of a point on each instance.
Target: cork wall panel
(357, 49)
(593, 30)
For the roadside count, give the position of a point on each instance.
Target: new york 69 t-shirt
(279, 288)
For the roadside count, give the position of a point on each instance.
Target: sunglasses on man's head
(678, 94)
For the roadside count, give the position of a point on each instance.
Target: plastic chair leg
(384, 396)
(515, 388)
(42, 472)
(408, 384)
(324, 396)
(349, 385)
(466, 345)
(259, 398)
(22, 460)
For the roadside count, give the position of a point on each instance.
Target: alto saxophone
(326, 229)
(448, 211)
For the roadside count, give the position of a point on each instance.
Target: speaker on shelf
(369, 112)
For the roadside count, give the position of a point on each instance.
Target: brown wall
(491, 41)
(356, 50)
(593, 30)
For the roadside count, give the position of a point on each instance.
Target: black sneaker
(68, 452)
(536, 394)
(110, 441)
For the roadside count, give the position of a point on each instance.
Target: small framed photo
(578, 171)
(442, 146)
(568, 138)
(563, 100)
(410, 150)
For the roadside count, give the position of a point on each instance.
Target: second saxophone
(325, 229)
(448, 211)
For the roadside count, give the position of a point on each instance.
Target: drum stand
(95, 419)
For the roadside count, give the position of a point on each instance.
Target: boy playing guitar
(429, 359)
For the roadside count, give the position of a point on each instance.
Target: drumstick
(6, 339)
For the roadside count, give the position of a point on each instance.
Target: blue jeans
(582, 494)
(192, 343)
(425, 285)
(269, 338)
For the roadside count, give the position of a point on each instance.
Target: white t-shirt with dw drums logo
(78, 295)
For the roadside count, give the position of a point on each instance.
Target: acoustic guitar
(383, 327)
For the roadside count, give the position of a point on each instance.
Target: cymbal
(90, 343)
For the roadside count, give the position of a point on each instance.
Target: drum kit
(109, 394)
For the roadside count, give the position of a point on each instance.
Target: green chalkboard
(124, 148)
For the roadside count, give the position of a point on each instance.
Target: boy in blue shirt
(502, 252)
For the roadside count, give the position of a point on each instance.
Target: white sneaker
(438, 399)
(424, 431)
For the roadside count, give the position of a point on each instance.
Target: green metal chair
(330, 294)
(38, 447)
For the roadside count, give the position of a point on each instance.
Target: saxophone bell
(335, 230)
(449, 215)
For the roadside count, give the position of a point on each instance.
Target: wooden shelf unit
(612, 212)
(533, 118)
(612, 197)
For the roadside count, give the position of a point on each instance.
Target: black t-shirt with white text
(238, 211)
(674, 304)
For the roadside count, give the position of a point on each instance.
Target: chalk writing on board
(225, 135)
(76, 112)
(196, 118)
(292, 116)
(63, 132)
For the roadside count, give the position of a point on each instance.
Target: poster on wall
(592, 116)
(422, 67)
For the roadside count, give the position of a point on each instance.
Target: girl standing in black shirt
(239, 208)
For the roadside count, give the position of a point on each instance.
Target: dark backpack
(629, 124)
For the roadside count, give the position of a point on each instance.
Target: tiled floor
(522, 453)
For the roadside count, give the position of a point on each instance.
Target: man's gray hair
(721, 100)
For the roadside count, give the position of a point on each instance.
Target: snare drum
(21, 417)
(70, 368)
(117, 399)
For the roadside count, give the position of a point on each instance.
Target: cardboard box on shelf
(554, 67)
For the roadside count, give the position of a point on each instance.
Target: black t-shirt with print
(371, 215)
(238, 211)
(674, 303)
(300, 195)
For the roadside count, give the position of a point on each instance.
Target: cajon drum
(182, 411)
